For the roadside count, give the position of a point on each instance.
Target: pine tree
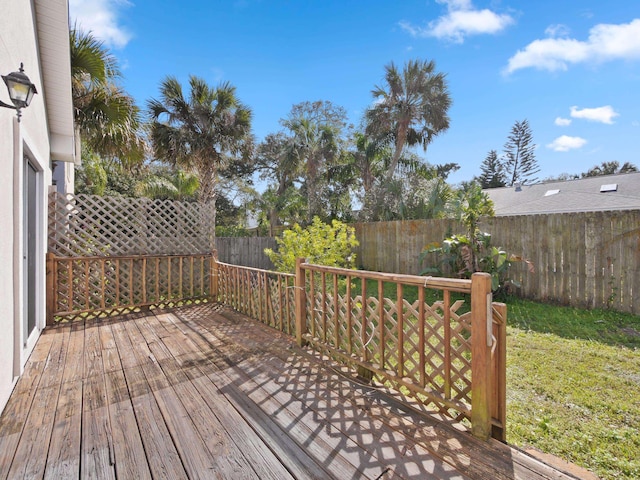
(521, 164)
(493, 174)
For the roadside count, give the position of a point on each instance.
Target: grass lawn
(573, 385)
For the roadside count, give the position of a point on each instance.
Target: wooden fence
(80, 287)
(438, 350)
(246, 251)
(580, 259)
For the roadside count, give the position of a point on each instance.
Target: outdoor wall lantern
(21, 90)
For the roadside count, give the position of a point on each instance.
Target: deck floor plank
(18, 407)
(31, 452)
(310, 435)
(338, 454)
(193, 451)
(204, 392)
(162, 455)
(63, 459)
(360, 443)
(229, 462)
(129, 455)
(182, 367)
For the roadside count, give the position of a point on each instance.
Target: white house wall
(18, 43)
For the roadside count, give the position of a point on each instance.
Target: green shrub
(460, 257)
(319, 243)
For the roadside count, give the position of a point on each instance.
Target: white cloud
(564, 143)
(461, 20)
(558, 30)
(562, 122)
(604, 114)
(606, 42)
(101, 18)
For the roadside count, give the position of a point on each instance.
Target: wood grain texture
(204, 392)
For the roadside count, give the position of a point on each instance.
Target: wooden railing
(261, 294)
(438, 350)
(435, 347)
(78, 287)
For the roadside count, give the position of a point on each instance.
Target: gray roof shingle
(580, 195)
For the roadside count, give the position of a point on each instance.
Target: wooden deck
(204, 392)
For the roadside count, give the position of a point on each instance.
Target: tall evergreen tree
(493, 174)
(521, 164)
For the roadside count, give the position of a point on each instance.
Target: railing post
(51, 285)
(499, 373)
(300, 299)
(481, 342)
(214, 275)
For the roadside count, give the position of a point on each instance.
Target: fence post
(214, 275)
(499, 373)
(481, 342)
(50, 273)
(300, 298)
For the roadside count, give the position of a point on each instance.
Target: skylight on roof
(551, 192)
(610, 187)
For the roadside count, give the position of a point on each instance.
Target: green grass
(573, 385)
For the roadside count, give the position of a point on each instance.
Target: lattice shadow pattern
(425, 351)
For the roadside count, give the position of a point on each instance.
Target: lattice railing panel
(422, 347)
(91, 225)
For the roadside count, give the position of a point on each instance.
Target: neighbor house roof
(608, 192)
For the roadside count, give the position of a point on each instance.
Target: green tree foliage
(519, 150)
(409, 109)
(208, 132)
(91, 177)
(106, 117)
(320, 243)
(463, 255)
(316, 128)
(610, 168)
(492, 172)
(417, 190)
(174, 184)
(277, 161)
(100, 176)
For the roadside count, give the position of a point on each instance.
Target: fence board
(246, 251)
(581, 259)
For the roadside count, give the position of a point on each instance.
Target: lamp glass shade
(21, 90)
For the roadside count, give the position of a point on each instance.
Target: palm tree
(106, 117)
(316, 129)
(178, 185)
(410, 109)
(278, 160)
(202, 133)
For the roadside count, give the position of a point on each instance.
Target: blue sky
(572, 68)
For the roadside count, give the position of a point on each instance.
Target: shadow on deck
(204, 392)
